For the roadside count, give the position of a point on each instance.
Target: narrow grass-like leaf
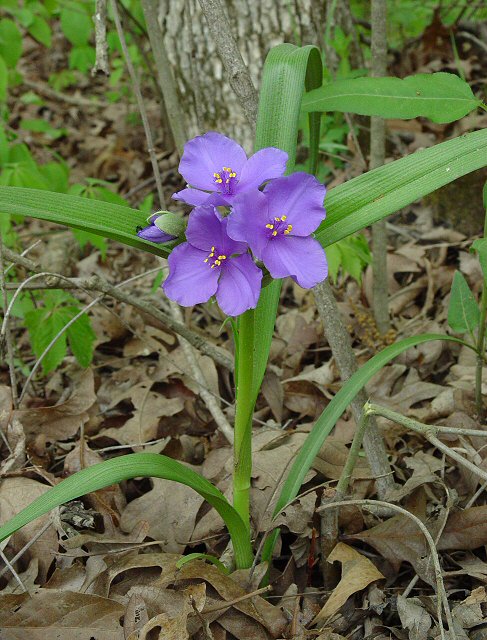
(463, 310)
(328, 419)
(288, 71)
(136, 465)
(360, 202)
(103, 218)
(441, 97)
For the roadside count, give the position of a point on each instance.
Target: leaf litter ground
(107, 566)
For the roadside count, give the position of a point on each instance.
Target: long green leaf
(358, 203)
(328, 419)
(143, 465)
(288, 71)
(441, 97)
(103, 218)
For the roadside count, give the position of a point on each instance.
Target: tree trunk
(205, 94)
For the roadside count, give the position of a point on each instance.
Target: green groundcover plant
(255, 222)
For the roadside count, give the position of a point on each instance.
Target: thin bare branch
(226, 44)
(100, 19)
(213, 407)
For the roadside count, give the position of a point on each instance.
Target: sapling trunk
(377, 157)
(481, 335)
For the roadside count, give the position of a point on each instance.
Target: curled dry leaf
(413, 617)
(63, 420)
(357, 573)
(150, 408)
(49, 613)
(15, 494)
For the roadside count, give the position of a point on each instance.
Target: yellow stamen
(269, 226)
(205, 260)
(222, 257)
(218, 180)
(277, 219)
(283, 218)
(216, 175)
(218, 262)
(213, 248)
(212, 266)
(274, 233)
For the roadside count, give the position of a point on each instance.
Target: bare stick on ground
(442, 598)
(377, 157)
(197, 374)
(95, 283)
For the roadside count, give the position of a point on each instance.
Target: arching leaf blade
(144, 465)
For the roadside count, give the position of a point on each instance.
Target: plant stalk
(242, 452)
(481, 335)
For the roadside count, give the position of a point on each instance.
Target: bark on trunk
(205, 93)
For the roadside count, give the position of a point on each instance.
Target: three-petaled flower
(211, 263)
(277, 225)
(217, 169)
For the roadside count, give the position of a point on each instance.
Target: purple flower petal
(204, 228)
(190, 280)
(264, 165)
(154, 234)
(193, 197)
(208, 154)
(299, 197)
(303, 259)
(239, 286)
(248, 219)
(208, 231)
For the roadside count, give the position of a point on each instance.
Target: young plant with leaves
(465, 315)
(240, 256)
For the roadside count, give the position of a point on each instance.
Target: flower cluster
(275, 225)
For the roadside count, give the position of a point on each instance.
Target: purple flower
(211, 263)
(278, 223)
(217, 164)
(153, 233)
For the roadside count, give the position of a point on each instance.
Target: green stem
(242, 452)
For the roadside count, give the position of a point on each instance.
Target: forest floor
(105, 567)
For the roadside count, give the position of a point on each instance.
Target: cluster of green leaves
(45, 315)
(464, 312)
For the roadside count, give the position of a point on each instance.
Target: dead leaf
(465, 530)
(49, 614)
(170, 508)
(357, 573)
(135, 617)
(413, 617)
(63, 420)
(15, 494)
(150, 408)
